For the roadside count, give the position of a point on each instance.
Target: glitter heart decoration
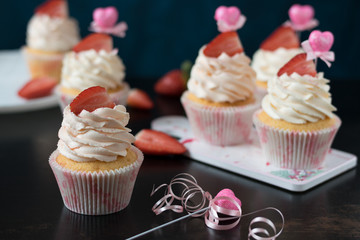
(229, 18)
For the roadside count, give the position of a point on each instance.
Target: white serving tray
(248, 160)
(13, 75)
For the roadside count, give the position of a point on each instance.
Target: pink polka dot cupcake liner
(96, 193)
(223, 126)
(292, 149)
(119, 97)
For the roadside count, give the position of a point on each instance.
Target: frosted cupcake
(93, 62)
(296, 125)
(220, 99)
(276, 50)
(50, 34)
(95, 164)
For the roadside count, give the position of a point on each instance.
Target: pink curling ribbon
(105, 22)
(302, 17)
(318, 46)
(197, 202)
(229, 18)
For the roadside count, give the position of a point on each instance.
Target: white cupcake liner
(119, 97)
(222, 126)
(293, 149)
(93, 193)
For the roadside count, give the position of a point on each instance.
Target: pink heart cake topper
(321, 41)
(226, 203)
(105, 17)
(301, 14)
(229, 18)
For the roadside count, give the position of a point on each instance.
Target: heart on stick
(229, 15)
(105, 17)
(321, 41)
(301, 14)
(226, 203)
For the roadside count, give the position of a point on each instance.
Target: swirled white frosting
(52, 34)
(98, 135)
(267, 63)
(91, 68)
(298, 99)
(222, 79)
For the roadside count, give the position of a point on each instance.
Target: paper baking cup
(93, 193)
(222, 126)
(295, 149)
(119, 97)
(44, 64)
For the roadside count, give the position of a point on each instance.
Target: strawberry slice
(157, 143)
(53, 8)
(96, 41)
(284, 37)
(299, 65)
(227, 42)
(171, 84)
(91, 99)
(37, 87)
(139, 99)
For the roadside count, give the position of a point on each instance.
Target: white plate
(248, 160)
(13, 75)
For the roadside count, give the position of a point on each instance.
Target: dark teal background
(163, 33)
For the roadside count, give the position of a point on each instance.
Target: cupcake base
(293, 149)
(96, 193)
(222, 126)
(118, 97)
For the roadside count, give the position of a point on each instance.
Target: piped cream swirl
(91, 68)
(52, 34)
(98, 135)
(222, 79)
(298, 99)
(267, 63)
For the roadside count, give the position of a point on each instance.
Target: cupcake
(50, 34)
(95, 164)
(276, 50)
(296, 125)
(93, 62)
(220, 99)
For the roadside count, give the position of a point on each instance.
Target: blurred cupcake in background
(50, 34)
(94, 62)
(220, 99)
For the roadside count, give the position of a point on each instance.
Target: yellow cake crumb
(202, 101)
(74, 92)
(281, 124)
(97, 166)
(37, 51)
(261, 84)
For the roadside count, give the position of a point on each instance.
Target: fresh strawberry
(157, 143)
(91, 99)
(284, 37)
(96, 41)
(139, 99)
(37, 87)
(171, 84)
(299, 65)
(227, 42)
(53, 8)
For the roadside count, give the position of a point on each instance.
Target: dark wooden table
(31, 206)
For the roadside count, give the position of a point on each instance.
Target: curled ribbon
(301, 27)
(223, 26)
(198, 202)
(327, 56)
(116, 30)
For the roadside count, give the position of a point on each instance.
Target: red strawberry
(157, 143)
(227, 42)
(96, 41)
(37, 87)
(53, 8)
(282, 37)
(171, 84)
(139, 99)
(91, 99)
(299, 65)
